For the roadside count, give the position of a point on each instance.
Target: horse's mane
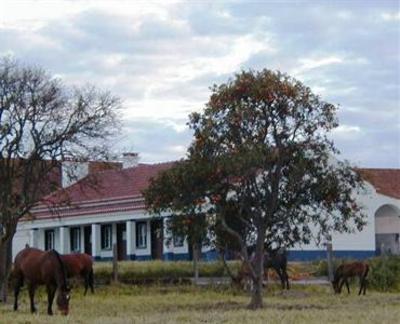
(64, 275)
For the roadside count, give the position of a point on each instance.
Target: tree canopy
(267, 168)
(266, 136)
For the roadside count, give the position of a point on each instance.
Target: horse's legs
(347, 286)
(281, 277)
(363, 285)
(286, 279)
(18, 284)
(341, 283)
(31, 290)
(51, 290)
(91, 280)
(86, 281)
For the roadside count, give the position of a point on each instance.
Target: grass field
(188, 304)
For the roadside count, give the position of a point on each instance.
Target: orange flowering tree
(179, 192)
(264, 138)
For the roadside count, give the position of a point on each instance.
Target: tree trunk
(258, 264)
(5, 267)
(195, 249)
(226, 267)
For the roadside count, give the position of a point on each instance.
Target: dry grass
(186, 304)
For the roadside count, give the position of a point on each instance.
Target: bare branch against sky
(161, 57)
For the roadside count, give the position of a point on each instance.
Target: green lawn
(187, 304)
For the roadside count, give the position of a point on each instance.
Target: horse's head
(335, 285)
(63, 298)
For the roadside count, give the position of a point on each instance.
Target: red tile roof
(385, 181)
(105, 191)
(121, 190)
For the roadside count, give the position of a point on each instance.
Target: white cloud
(347, 129)
(307, 64)
(391, 16)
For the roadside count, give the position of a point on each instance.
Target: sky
(162, 57)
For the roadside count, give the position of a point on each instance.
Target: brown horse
(350, 270)
(36, 267)
(79, 265)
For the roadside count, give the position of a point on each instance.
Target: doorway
(157, 237)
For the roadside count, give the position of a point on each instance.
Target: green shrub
(321, 266)
(385, 273)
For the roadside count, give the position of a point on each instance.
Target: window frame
(72, 231)
(179, 241)
(140, 237)
(106, 244)
(47, 239)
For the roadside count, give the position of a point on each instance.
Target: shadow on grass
(235, 306)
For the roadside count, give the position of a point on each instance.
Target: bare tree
(43, 122)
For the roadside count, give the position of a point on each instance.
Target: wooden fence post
(330, 260)
(115, 263)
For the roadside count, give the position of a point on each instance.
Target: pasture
(189, 304)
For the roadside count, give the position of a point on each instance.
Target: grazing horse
(350, 270)
(79, 265)
(36, 267)
(278, 261)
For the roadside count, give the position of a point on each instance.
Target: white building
(107, 207)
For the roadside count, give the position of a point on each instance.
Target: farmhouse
(105, 207)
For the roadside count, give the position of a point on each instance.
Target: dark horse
(36, 267)
(277, 260)
(273, 259)
(79, 265)
(349, 270)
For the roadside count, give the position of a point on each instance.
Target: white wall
(21, 238)
(363, 241)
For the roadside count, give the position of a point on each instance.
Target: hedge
(158, 271)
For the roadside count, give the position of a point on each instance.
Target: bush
(321, 266)
(385, 273)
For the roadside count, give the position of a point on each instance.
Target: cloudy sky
(162, 57)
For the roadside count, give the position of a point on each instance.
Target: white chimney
(130, 160)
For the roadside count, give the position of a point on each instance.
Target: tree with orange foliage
(180, 193)
(265, 137)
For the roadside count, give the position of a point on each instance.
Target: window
(49, 239)
(106, 237)
(75, 236)
(141, 235)
(178, 240)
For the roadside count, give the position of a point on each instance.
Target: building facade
(107, 208)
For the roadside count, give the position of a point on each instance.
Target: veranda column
(64, 240)
(96, 241)
(130, 239)
(168, 247)
(33, 238)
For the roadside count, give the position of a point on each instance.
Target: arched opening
(387, 230)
